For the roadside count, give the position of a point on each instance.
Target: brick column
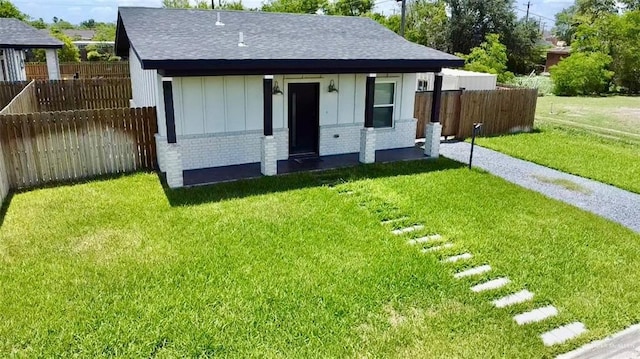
(432, 139)
(368, 145)
(269, 159)
(173, 165)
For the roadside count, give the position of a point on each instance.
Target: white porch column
(367, 145)
(432, 139)
(173, 165)
(269, 160)
(53, 66)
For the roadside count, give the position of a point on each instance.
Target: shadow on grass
(288, 182)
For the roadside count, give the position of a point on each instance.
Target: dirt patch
(627, 115)
(564, 183)
(108, 245)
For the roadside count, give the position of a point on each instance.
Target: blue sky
(105, 10)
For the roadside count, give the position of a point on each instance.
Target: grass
(597, 138)
(564, 183)
(542, 83)
(295, 266)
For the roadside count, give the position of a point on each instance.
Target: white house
(246, 88)
(15, 37)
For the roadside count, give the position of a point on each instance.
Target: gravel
(604, 200)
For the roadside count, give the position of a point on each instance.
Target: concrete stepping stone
(515, 298)
(413, 228)
(492, 284)
(426, 239)
(390, 221)
(473, 271)
(457, 258)
(536, 315)
(563, 333)
(437, 248)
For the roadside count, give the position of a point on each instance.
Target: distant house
(555, 55)
(80, 35)
(254, 91)
(16, 37)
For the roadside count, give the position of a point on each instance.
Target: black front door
(304, 118)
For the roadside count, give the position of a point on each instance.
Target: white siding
(454, 79)
(143, 82)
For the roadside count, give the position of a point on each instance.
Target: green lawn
(293, 267)
(597, 138)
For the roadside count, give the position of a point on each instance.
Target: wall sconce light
(332, 87)
(276, 88)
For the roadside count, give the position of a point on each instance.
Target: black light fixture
(332, 87)
(276, 88)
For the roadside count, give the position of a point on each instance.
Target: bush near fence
(501, 111)
(85, 70)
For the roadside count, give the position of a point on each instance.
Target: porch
(212, 175)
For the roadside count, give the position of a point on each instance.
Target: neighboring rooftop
(19, 35)
(188, 38)
(80, 34)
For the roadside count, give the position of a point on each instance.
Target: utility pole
(528, 6)
(402, 16)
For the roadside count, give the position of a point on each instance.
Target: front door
(304, 118)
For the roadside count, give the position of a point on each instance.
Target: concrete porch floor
(214, 175)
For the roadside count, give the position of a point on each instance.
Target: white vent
(218, 22)
(241, 40)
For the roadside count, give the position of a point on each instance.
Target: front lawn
(296, 267)
(597, 138)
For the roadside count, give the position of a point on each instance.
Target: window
(423, 85)
(383, 104)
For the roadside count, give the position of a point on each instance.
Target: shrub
(582, 74)
(94, 56)
(542, 83)
(489, 57)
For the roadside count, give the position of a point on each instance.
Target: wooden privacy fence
(61, 95)
(9, 90)
(38, 148)
(501, 111)
(25, 102)
(85, 70)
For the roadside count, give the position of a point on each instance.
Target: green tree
(624, 45)
(391, 22)
(295, 6)
(565, 26)
(472, 20)
(68, 53)
(105, 32)
(7, 9)
(582, 74)
(181, 4)
(525, 50)
(489, 57)
(427, 24)
(350, 7)
(88, 24)
(38, 24)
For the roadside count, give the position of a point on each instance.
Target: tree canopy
(8, 10)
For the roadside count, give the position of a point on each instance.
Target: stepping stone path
(563, 333)
(553, 337)
(536, 315)
(457, 258)
(437, 248)
(492, 284)
(413, 228)
(390, 221)
(515, 298)
(473, 271)
(427, 239)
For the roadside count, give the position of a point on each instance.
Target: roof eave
(303, 66)
(30, 46)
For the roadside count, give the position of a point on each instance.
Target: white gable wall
(219, 118)
(143, 83)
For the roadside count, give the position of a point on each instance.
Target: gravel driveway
(604, 200)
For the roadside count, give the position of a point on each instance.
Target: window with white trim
(383, 104)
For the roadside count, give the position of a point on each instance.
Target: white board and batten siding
(143, 83)
(219, 119)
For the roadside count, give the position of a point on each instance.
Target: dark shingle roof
(18, 35)
(164, 37)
